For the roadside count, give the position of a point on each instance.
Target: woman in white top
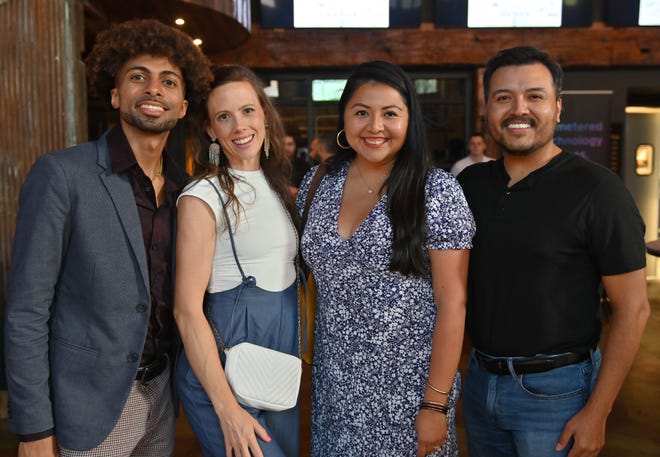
(250, 170)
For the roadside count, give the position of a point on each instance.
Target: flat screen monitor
(513, 13)
(320, 14)
(317, 14)
(633, 13)
(649, 12)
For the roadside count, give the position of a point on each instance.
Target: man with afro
(89, 334)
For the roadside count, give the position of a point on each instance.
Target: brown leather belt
(148, 372)
(500, 365)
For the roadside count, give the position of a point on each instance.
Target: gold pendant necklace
(369, 189)
(160, 168)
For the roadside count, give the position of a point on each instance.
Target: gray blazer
(75, 322)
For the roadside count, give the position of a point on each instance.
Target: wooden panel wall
(597, 46)
(42, 97)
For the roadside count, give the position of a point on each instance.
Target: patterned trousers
(145, 427)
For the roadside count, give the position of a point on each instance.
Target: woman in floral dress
(388, 239)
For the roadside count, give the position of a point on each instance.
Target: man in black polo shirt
(551, 227)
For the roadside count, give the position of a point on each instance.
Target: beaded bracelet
(435, 389)
(433, 406)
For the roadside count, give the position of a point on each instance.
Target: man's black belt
(148, 372)
(500, 365)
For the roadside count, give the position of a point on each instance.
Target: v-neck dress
(373, 327)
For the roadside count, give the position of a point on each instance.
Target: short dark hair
(523, 55)
(327, 139)
(123, 41)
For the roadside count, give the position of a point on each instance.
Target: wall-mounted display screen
(633, 13)
(513, 13)
(649, 12)
(319, 14)
(341, 14)
(585, 124)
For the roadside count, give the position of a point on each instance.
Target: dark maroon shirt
(158, 235)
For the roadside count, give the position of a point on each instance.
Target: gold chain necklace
(370, 191)
(160, 168)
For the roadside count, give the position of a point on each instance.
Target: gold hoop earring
(339, 141)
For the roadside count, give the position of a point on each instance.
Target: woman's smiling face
(376, 122)
(238, 121)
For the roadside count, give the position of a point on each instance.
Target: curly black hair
(123, 41)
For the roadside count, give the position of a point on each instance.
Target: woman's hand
(240, 431)
(431, 428)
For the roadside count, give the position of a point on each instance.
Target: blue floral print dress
(373, 327)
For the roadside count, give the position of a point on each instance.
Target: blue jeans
(524, 415)
(282, 426)
(249, 314)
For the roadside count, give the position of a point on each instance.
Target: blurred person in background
(476, 153)
(299, 165)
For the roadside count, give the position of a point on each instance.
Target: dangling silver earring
(339, 141)
(214, 153)
(266, 144)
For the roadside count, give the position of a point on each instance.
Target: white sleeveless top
(265, 238)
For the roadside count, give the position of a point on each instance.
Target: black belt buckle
(495, 366)
(150, 371)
